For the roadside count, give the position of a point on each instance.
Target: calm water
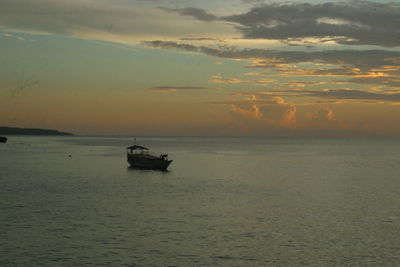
(224, 202)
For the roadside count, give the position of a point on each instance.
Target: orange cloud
(324, 114)
(262, 114)
(252, 113)
(219, 79)
(259, 117)
(258, 82)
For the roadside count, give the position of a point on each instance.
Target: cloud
(336, 94)
(302, 84)
(324, 114)
(393, 82)
(356, 66)
(197, 13)
(355, 95)
(352, 22)
(101, 20)
(198, 39)
(168, 89)
(324, 122)
(272, 112)
(362, 59)
(273, 116)
(355, 22)
(219, 79)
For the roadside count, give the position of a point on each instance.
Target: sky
(201, 68)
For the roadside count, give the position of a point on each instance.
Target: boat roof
(137, 147)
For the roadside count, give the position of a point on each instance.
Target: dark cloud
(197, 13)
(362, 59)
(359, 22)
(172, 45)
(385, 81)
(197, 39)
(252, 1)
(337, 94)
(355, 22)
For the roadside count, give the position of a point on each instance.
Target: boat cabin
(135, 150)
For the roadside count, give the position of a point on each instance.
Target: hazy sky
(220, 67)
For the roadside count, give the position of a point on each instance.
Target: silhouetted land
(29, 131)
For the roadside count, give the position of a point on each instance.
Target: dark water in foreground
(224, 202)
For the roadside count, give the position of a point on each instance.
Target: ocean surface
(73, 201)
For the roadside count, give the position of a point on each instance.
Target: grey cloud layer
(341, 94)
(324, 96)
(102, 20)
(197, 13)
(353, 23)
(363, 59)
(361, 22)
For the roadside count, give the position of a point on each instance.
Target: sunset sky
(201, 68)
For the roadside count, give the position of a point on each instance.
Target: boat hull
(151, 163)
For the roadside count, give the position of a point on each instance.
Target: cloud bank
(351, 23)
(103, 20)
(355, 22)
(363, 59)
(352, 66)
(273, 116)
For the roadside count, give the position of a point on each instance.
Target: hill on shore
(29, 131)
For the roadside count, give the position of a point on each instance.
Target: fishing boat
(139, 157)
(3, 139)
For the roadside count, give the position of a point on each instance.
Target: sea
(224, 201)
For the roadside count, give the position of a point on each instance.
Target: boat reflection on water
(140, 158)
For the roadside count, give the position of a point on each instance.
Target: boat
(140, 158)
(3, 139)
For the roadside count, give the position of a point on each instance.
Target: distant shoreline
(30, 131)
